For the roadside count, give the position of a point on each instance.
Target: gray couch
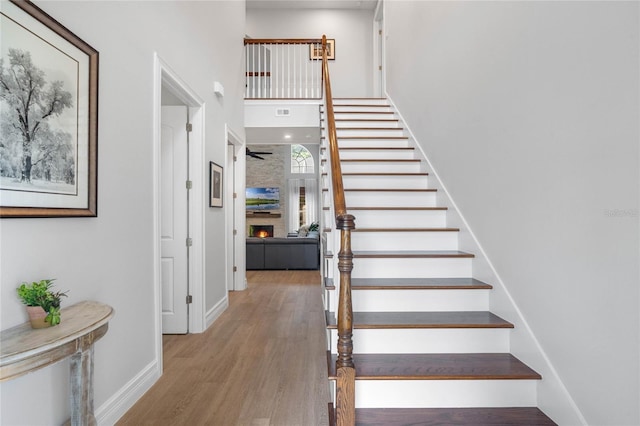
(284, 253)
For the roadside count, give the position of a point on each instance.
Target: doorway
(178, 172)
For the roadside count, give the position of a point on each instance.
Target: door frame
(235, 216)
(165, 76)
(379, 79)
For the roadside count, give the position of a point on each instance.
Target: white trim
(165, 76)
(214, 313)
(232, 137)
(199, 180)
(521, 322)
(126, 397)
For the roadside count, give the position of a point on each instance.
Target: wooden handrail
(282, 41)
(345, 384)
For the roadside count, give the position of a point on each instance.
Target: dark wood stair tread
(445, 319)
(406, 230)
(384, 174)
(389, 190)
(485, 366)
(380, 160)
(396, 208)
(418, 283)
(366, 128)
(412, 254)
(495, 416)
(377, 148)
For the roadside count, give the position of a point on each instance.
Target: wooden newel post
(346, 373)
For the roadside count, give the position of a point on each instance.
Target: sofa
(293, 252)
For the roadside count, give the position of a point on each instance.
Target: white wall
(351, 70)
(529, 113)
(110, 258)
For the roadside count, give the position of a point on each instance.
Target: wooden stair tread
(394, 190)
(367, 128)
(380, 160)
(386, 120)
(370, 137)
(385, 174)
(377, 148)
(406, 230)
(412, 254)
(397, 208)
(393, 208)
(418, 283)
(495, 416)
(485, 366)
(445, 319)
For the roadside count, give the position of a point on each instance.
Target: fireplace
(261, 231)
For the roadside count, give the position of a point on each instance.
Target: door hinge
(379, 32)
(235, 269)
(189, 184)
(189, 242)
(235, 232)
(189, 299)
(189, 127)
(235, 158)
(379, 67)
(235, 195)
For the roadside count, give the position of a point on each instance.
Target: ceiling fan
(257, 154)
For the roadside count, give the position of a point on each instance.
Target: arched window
(301, 160)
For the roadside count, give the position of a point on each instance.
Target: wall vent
(283, 112)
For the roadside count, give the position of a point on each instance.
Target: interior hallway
(262, 362)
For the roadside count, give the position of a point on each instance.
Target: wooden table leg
(81, 378)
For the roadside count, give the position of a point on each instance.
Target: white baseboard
(116, 406)
(216, 311)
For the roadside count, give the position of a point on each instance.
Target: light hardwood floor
(261, 363)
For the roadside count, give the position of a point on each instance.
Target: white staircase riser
(380, 167)
(372, 143)
(369, 132)
(359, 107)
(390, 199)
(420, 300)
(377, 154)
(427, 340)
(411, 267)
(385, 182)
(360, 101)
(445, 393)
(400, 218)
(362, 115)
(404, 241)
(341, 124)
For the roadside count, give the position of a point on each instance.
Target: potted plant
(43, 304)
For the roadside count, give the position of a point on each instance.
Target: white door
(174, 220)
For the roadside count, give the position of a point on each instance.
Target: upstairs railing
(346, 373)
(283, 68)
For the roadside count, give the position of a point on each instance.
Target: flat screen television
(263, 198)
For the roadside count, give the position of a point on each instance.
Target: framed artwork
(215, 185)
(315, 50)
(48, 116)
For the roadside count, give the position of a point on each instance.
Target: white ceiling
(311, 4)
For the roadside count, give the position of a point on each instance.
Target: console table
(24, 349)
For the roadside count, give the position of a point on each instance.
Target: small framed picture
(215, 185)
(315, 50)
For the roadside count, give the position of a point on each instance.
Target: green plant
(314, 226)
(40, 293)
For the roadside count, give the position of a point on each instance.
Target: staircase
(426, 348)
